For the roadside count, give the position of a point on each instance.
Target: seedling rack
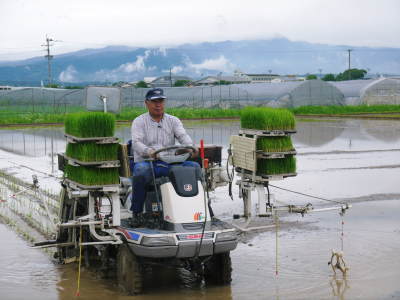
(244, 158)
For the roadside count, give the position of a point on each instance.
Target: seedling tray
(246, 174)
(273, 155)
(98, 140)
(98, 164)
(78, 186)
(261, 133)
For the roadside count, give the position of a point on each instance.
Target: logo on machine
(188, 187)
(198, 216)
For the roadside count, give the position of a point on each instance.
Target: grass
(92, 175)
(274, 144)
(91, 151)
(339, 110)
(265, 118)
(47, 114)
(128, 114)
(90, 124)
(276, 166)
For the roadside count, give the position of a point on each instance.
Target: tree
(328, 77)
(351, 74)
(181, 82)
(311, 77)
(52, 86)
(223, 82)
(141, 84)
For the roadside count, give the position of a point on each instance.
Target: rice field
(16, 116)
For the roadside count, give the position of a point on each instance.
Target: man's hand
(195, 153)
(151, 153)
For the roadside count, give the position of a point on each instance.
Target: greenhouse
(282, 94)
(351, 89)
(381, 91)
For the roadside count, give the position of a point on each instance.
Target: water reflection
(160, 283)
(316, 133)
(339, 287)
(347, 134)
(382, 130)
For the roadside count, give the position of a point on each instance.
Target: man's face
(155, 107)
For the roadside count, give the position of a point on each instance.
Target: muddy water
(25, 273)
(345, 160)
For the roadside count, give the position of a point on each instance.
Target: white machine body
(179, 209)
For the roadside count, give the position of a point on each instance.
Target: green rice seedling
(90, 124)
(92, 175)
(266, 118)
(276, 166)
(275, 144)
(90, 151)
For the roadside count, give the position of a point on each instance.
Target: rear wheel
(129, 273)
(218, 269)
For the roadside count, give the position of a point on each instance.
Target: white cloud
(174, 70)
(163, 51)
(68, 75)
(137, 65)
(218, 64)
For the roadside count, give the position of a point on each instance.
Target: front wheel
(129, 273)
(218, 269)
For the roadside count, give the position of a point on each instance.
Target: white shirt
(147, 134)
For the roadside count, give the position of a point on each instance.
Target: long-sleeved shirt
(148, 134)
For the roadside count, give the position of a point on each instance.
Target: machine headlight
(226, 236)
(158, 241)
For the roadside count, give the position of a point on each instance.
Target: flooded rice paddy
(357, 161)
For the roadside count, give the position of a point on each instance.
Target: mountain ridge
(126, 63)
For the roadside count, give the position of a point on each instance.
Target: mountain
(122, 63)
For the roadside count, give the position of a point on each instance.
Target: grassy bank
(128, 114)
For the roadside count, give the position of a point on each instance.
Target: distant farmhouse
(168, 81)
(214, 80)
(265, 78)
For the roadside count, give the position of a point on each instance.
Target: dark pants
(142, 176)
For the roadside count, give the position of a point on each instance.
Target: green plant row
(338, 110)
(90, 151)
(276, 166)
(275, 144)
(90, 124)
(92, 175)
(266, 118)
(17, 115)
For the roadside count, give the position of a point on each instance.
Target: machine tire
(218, 269)
(129, 273)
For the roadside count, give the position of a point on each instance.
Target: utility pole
(349, 50)
(48, 56)
(170, 77)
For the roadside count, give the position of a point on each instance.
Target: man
(152, 131)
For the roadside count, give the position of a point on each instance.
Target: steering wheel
(176, 158)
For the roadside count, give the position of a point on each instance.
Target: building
(214, 80)
(168, 81)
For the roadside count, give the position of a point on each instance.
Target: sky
(81, 24)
